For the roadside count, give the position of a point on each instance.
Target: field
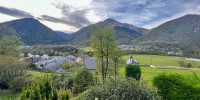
(148, 73)
(160, 60)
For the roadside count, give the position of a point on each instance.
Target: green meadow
(148, 73)
(160, 60)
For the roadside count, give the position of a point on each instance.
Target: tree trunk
(115, 70)
(103, 73)
(102, 65)
(106, 60)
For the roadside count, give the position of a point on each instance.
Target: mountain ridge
(124, 33)
(182, 33)
(33, 32)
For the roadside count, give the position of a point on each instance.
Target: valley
(99, 50)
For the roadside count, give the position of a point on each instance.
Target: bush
(121, 89)
(39, 91)
(83, 79)
(133, 71)
(19, 82)
(10, 68)
(189, 65)
(177, 87)
(67, 66)
(63, 81)
(64, 95)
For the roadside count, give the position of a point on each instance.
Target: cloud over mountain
(70, 16)
(15, 12)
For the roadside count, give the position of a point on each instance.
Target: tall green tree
(110, 46)
(97, 43)
(9, 43)
(103, 42)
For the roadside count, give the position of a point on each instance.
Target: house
(90, 64)
(131, 60)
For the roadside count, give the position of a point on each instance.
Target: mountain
(63, 34)
(32, 32)
(124, 33)
(182, 33)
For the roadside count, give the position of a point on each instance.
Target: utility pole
(151, 60)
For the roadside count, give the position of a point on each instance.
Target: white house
(131, 60)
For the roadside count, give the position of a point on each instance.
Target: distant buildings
(52, 63)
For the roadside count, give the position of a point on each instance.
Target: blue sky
(71, 15)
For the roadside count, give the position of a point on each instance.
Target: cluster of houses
(54, 63)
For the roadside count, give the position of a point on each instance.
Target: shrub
(83, 79)
(64, 95)
(39, 91)
(133, 71)
(189, 65)
(32, 66)
(63, 81)
(121, 89)
(10, 68)
(177, 87)
(67, 66)
(19, 82)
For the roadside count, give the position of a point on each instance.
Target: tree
(83, 56)
(83, 79)
(9, 43)
(10, 68)
(110, 46)
(133, 71)
(97, 43)
(115, 56)
(103, 43)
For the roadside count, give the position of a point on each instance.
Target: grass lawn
(86, 49)
(148, 73)
(39, 74)
(160, 60)
(10, 96)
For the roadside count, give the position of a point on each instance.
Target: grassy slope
(160, 60)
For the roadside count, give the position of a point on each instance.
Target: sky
(71, 15)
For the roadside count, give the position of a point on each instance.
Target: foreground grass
(10, 96)
(160, 60)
